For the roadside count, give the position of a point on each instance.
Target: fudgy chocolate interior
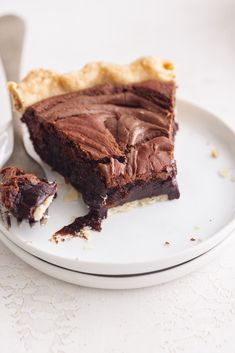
(115, 144)
(21, 193)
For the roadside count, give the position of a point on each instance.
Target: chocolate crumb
(193, 238)
(167, 243)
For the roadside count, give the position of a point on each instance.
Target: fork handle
(12, 30)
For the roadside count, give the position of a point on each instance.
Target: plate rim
(111, 283)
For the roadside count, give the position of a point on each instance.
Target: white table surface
(194, 314)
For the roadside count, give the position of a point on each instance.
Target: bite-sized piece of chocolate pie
(25, 196)
(108, 129)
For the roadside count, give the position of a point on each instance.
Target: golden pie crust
(40, 84)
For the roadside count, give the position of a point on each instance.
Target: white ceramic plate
(133, 242)
(112, 282)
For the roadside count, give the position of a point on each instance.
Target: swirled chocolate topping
(127, 130)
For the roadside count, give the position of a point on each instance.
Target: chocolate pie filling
(115, 144)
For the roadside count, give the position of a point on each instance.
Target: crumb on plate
(71, 195)
(223, 172)
(214, 153)
(193, 239)
(85, 233)
(232, 178)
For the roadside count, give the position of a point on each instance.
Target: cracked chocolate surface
(127, 130)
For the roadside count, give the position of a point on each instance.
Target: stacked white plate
(146, 245)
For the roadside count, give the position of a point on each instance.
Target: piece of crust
(137, 203)
(40, 84)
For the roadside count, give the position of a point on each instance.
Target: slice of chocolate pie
(108, 129)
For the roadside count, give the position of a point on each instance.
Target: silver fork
(12, 31)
